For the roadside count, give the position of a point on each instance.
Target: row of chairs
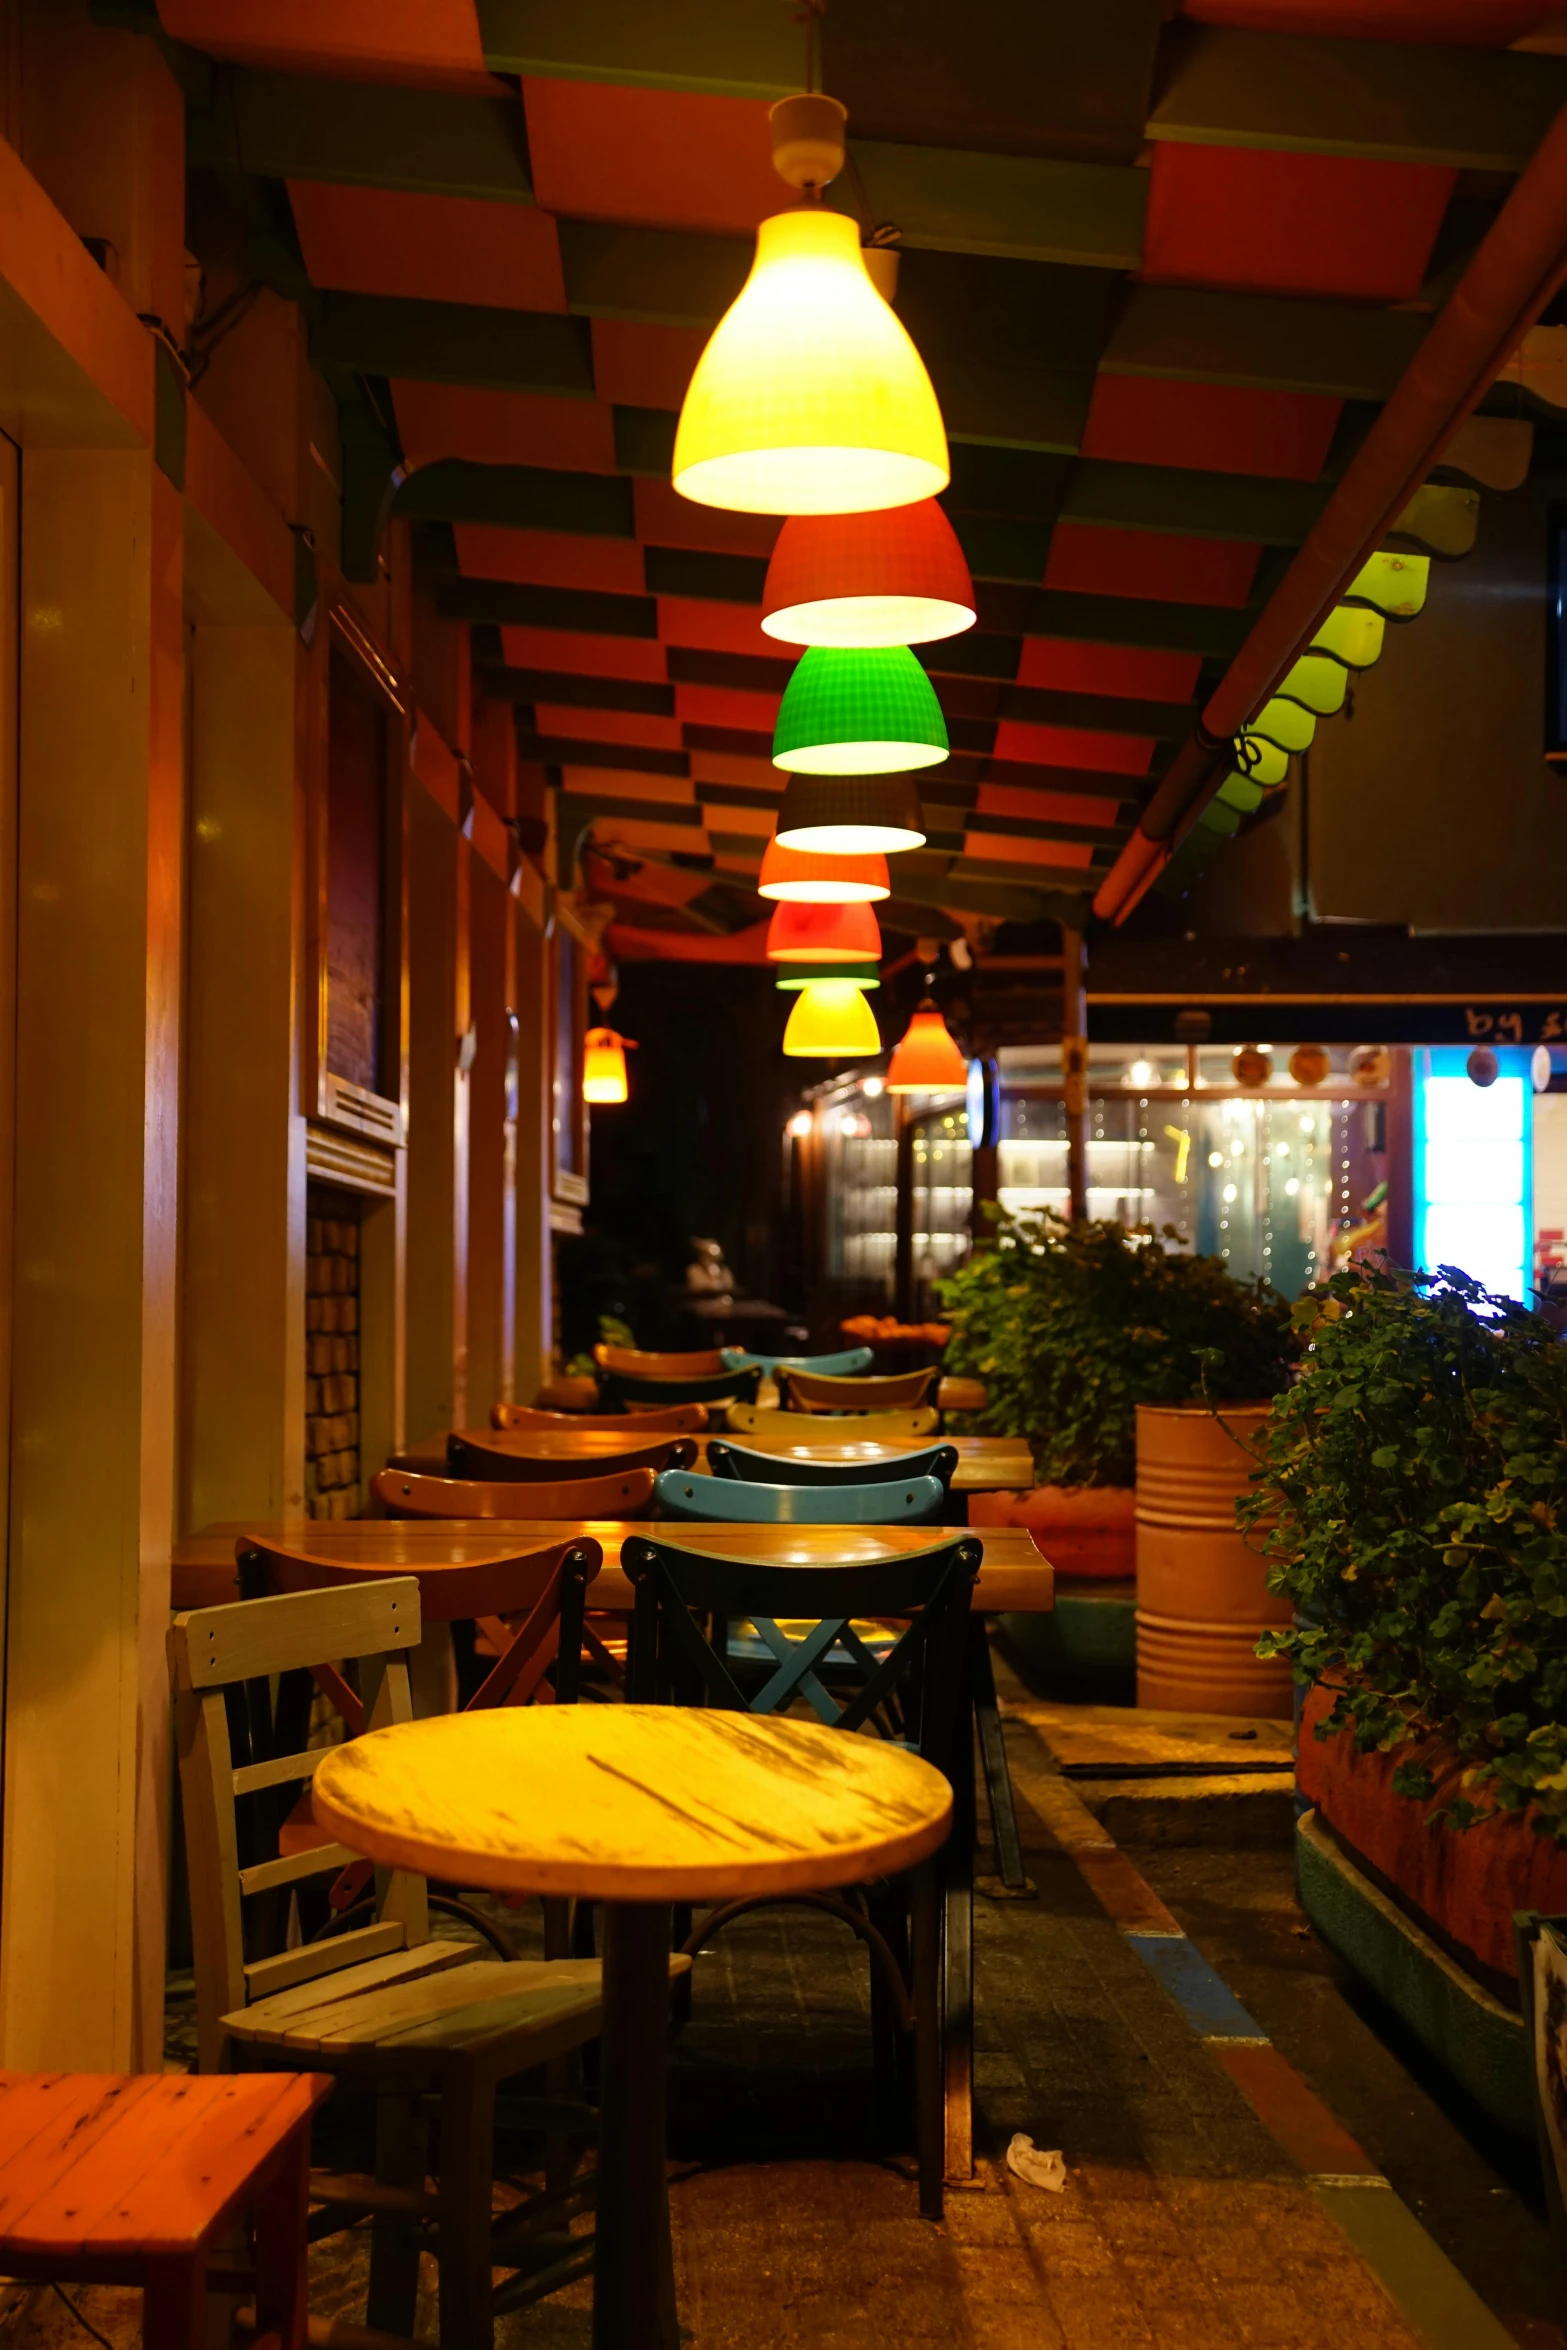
(630, 1378)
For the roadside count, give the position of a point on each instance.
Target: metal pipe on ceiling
(1519, 267)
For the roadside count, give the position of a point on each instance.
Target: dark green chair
(846, 1365)
(912, 1501)
(618, 1388)
(762, 1468)
(915, 1692)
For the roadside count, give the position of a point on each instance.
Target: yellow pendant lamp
(928, 1060)
(810, 397)
(831, 1021)
(604, 1065)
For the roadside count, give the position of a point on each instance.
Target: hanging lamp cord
(809, 13)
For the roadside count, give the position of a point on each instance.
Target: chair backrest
(762, 1468)
(545, 1586)
(648, 1363)
(912, 1501)
(812, 1391)
(765, 1430)
(493, 1464)
(223, 1659)
(851, 1360)
(715, 1387)
(915, 1691)
(678, 1419)
(403, 1495)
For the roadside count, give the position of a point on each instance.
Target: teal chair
(761, 1468)
(618, 1388)
(846, 1365)
(913, 1501)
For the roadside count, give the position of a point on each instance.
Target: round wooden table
(636, 1806)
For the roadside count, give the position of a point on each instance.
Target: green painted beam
(572, 690)
(564, 750)
(1207, 629)
(1401, 101)
(1041, 828)
(1014, 207)
(424, 142)
(519, 497)
(1331, 348)
(1208, 505)
(588, 610)
(455, 343)
(729, 51)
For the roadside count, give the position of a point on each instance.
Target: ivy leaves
(1412, 1498)
(1072, 1326)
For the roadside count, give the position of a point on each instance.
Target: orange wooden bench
(127, 2179)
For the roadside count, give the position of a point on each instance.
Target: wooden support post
(1074, 1068)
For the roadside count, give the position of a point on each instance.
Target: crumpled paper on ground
(1040, 2170)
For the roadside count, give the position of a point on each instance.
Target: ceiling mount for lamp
(808, 140)
(851, 815)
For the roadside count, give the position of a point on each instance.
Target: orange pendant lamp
(823, 934)
(604, 1065)
(797, 877)
(831, 1021)
(895, 577)
(928, 1060)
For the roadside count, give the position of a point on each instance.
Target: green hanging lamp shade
(851, 711)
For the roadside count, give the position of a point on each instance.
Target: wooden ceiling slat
(1473, 110)
(295, 126)
(701, 45)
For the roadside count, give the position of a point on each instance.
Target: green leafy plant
(1073, 1325)
(1412, 1496)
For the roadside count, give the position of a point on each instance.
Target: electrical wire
(85, 2323)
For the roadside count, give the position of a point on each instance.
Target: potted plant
(1412, 1499)
(1085, 1334)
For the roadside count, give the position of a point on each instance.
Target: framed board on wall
(356, 894)
(568, 1006)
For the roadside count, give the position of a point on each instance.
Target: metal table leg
(633, 2280)
(998, 1779)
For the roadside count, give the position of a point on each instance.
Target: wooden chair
(913, 1501)
(810, 1391)
(712, 1387)
(761, 1468)
(411, 2015)
(845, 1364)
(132, 2179)
(676, 1419)
(402, 1494)
(764, 1430)
(915, 1692)
(649, 1363)
(493, 1463)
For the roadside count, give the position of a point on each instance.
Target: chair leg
(926, 1904)
(464, 2187)
(400, 2161)
(957, 1865)
(998, 1779)
(282, 2285)
(174, 2301)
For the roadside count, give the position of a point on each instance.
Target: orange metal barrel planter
(1202, 1598)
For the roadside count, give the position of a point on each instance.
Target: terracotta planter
(1086, 1531)
(1202, 1597)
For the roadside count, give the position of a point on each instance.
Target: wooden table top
(632, 1802)
(1014, 1574)
(986, 1464)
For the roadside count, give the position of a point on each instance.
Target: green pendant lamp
(797, 975)
(853, 710)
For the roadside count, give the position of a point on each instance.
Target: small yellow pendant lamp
(604, 1065)
(928, 1060)
(831, 1021)
(810, 397)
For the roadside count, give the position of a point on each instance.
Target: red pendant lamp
(928, 1060)
(823, 934)
(797, 876)
(892, 578)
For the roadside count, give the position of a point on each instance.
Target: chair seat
(106, 2166)
(435, 1998)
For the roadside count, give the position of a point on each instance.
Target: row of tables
(640, 1807)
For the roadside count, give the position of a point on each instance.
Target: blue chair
(761, 1468)
(913, 1501)
(846, 1365)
